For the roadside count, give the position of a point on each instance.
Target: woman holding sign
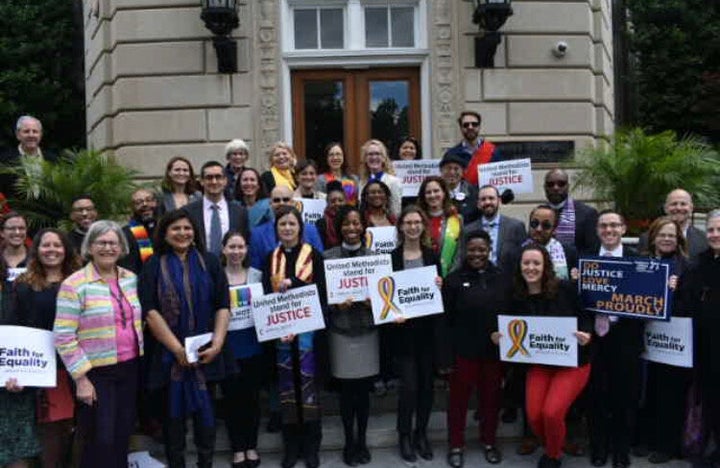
(241, 391)
(184, 294)
(294, 264)
(52, 259)
(413, 343)
(550, 390)
(354, 346)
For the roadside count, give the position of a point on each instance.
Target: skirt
(18, 437)
(354, 357)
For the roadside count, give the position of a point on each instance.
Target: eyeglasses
(82, 209)
(281, 199)
(545, 225)
(556, 183)
(667, 236)
(470, 124)
(373, 153)
(107, 244)
(239, 153)
(609, 225)
(140, 201)
(213, 177)
(15, 228)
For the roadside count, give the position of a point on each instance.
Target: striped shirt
(85, 334)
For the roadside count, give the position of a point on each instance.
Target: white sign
(412, 173)
(143, 460)
(381, 240)
(193, 345)
(312, 209)
(290, 313)
(407, 293)
(348, 277)
(13, 273)
(669, 342)
(515, 174)
(538, 340)
(28, 355)
(241, 297)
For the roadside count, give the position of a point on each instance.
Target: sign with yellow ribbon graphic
(381, 240)
(311, 209)
(408, 293)
(539, 340)
(517, 330)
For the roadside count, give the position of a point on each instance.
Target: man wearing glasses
(578, 221)
(82, 213)
(473, 149)
(264, 240)
(213, 215)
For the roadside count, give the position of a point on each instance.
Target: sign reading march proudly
(407, 293)
(670, 342)
(514, 174)
(241, 297)
(629, 287)
(312, 209)
(348, 277)
(28, 355)
(290, 313)
(539, 340)
(381, 240)
(412, 173)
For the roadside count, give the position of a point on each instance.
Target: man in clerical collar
(139, 230)
(577, 223)
(82, 213)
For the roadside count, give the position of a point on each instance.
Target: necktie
(602, 321)
(215, 230)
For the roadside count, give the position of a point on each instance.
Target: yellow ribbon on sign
(386, 288)
(517, 329)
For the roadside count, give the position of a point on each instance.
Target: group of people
(121, 302)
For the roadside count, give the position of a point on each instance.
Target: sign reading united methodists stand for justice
(628, 287)
(348, 277)
(412, 173)
(514, 174)
(28, 355)
(538, 340)
(241, 297)
(381, 240)
(311, 209)
(290, 313)
(407, 293)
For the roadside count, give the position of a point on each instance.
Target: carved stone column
(444, 73)
(268, 76)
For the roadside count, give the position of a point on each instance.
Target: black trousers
(355, 407)
(241, 393)
(302, 440)
(667, 390)
(613, 390)
(710, 387)
(415, 390)
(174, 430)
(105, 427)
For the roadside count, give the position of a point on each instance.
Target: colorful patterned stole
(139, 232)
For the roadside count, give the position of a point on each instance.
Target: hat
(451, 156)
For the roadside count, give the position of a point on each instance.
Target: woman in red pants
(550, 390)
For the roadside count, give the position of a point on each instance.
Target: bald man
(679, 207)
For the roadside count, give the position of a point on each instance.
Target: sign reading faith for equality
(514, 174)
(312, 209)
(629, 287)
(348, 277)
(381, 240)
(539, 340)
(412, 173)
(407, 293)
(28, 355)
(241, 297)
(290, 313)
(670, 342)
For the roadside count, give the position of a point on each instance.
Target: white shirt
(617, 252)
(207, 217)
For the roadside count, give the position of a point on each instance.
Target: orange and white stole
(303, 266)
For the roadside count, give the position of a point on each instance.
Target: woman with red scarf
(326, 225)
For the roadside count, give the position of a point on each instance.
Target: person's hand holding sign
(12, 386)
(495, 337)
(583, 337)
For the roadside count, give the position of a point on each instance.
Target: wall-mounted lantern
(221, 17)
(490, 16)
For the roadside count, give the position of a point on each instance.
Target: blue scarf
(187, 306)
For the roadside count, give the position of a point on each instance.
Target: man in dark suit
(506, 234)
(679, 207)
(578, 221)
(614, 379)
(139, 230)
(464, 195)
(213, 215)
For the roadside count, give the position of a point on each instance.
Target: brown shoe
(527, 446)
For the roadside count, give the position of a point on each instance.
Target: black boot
(407, 451)
(422, 445)
(362, 454)
(311, 438)
(291, 442)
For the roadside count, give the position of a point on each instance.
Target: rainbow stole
(451, 229)
(143, 239)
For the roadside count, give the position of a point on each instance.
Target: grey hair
(712, 215)
(26, 118)
(236, 145)
(100, 228)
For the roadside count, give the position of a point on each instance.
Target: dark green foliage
(41, 70)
